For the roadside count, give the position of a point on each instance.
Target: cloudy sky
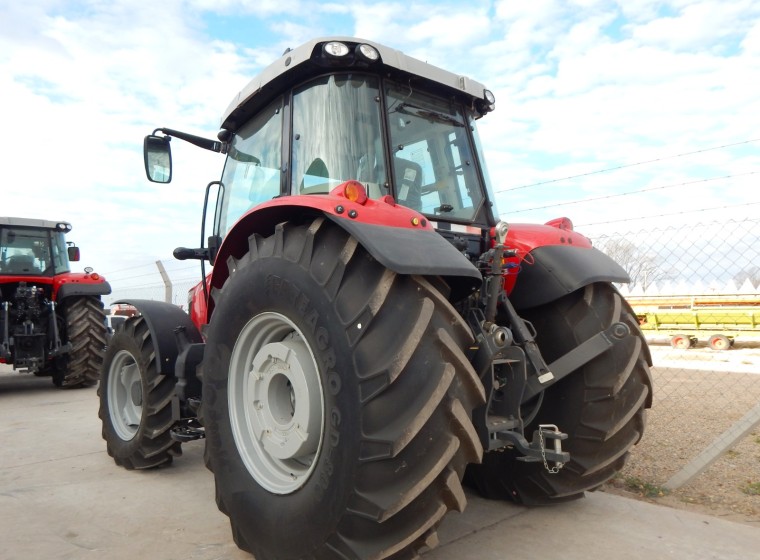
(614, 113)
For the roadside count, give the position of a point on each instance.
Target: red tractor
(51, 319)
(371, 335)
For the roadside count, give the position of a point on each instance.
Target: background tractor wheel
(601, 406)
(135, 401)
(336, 399)
(85, 330)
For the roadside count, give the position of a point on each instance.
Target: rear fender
(80, 287)
(399, 238)
(176, 339)
(79, 284)
(552, 271)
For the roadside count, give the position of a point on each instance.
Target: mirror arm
(205, 143)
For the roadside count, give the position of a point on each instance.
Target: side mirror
(73, 253)
(158, 158)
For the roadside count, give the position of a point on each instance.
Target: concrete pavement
(62, 497)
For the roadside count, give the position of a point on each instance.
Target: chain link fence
(695, 291)
(689, 284)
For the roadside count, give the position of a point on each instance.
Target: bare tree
(642, 268)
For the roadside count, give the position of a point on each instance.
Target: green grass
(751, 489)
(644, 488)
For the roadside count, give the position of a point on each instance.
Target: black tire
(390, 396)
(85, 330)
(601, 406)
(135, 401)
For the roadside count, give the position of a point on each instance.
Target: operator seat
(20, 264)
(408, 183)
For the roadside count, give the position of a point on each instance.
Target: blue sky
(581, 86)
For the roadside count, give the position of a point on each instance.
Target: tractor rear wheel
(601, 406)
(135, 401)
(86, 332)
(336, 399)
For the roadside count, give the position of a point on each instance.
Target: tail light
(561, 223)
(351, 190)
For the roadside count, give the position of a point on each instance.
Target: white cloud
(580, 86)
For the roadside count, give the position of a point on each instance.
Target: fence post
(722, 443)
(167, 282)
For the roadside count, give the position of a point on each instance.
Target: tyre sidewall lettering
(287, 289)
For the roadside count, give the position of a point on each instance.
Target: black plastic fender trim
(163, 319)
(553, 271)
(76, 289)
(414, 251)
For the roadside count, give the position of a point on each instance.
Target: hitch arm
(578, 356)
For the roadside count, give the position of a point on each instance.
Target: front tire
(135, 401)
(601, 406)
(336, 399)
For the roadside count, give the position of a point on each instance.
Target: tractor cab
(35, 247)
(332, 111)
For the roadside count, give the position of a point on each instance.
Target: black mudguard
(553, 271)
(411, 251)
(76, 289)
(163, 319)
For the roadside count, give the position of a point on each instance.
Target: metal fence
(693, 285)
(702, 431)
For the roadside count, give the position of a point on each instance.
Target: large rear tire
(86, 332)
(336, 400)
(601, 406)
(135, 401)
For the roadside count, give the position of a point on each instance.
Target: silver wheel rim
(276, 403)
(124, 395)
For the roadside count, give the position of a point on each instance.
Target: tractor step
(187, 429)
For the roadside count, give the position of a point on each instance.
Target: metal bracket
(536, 450)
(578, 356)
(187, 429)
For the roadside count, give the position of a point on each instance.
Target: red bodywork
(55, 282)
(52, 284)
(262, 220)
(523, 238)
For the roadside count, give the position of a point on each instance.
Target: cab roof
(306, 61)
(32, 222)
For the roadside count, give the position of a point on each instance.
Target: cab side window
(253, 171)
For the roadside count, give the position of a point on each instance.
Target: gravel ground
(697, 397)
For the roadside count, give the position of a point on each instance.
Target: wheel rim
(124, 395)
(681, 342)
(276, 403)
(720, 343)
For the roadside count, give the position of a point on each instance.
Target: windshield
(32, 252)
(337, 135)
(432, 158)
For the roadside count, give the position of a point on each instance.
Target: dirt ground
(698, 395)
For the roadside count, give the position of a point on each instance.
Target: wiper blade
(428, 114)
